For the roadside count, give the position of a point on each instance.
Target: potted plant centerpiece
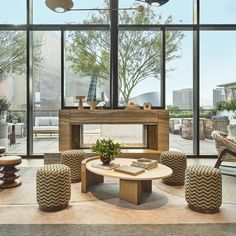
(107, 149)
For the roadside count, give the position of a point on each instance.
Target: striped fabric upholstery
(177, 161)
(53, 189)
(73, 159)
(203, 190)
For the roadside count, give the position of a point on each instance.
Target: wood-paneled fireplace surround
(157, 122)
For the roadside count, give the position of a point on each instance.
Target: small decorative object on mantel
(92, 98)
(80, 106)
(145, 163)
(147, 106)
(93, 104)
(107, 149)
(132, 106)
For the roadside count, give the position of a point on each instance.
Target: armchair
(225, 147)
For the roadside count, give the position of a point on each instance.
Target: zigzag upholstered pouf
(73, 159)
(177, 161)
(53, 189)
(203, 190)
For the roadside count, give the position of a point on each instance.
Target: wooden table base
(88, 179)
(131, 190)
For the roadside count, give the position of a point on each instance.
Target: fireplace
(155, 121)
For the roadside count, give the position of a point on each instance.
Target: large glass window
(218, 84)
(139, 67)
(218, 12)
(179, 90)
(13, 127)
(13, 12)
(87, 67)
(46, 90)
(173, 12)
(91, 62)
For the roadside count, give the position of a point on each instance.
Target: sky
(217, 49)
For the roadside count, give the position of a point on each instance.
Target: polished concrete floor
(164, 206)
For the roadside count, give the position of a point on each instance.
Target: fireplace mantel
(157, 122)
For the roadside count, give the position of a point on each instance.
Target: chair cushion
(232, 139)
(44, 121)
(54, 121)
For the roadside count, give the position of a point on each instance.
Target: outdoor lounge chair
(226, 147)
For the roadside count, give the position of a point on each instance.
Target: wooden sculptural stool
(8, 171)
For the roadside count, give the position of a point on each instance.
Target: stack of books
(145, 163)
(130, 170)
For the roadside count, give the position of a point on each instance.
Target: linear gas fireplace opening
(128, 135)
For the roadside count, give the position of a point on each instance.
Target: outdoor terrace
(49, 143)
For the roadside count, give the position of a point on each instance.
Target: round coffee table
(131, 187)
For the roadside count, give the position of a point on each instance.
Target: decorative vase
(105, 160)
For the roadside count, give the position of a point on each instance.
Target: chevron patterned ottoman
(53, 189)
(73, 159)
(177, 161)
(203, 190)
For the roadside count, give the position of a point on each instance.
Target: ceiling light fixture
(61, 6)
(154, 3)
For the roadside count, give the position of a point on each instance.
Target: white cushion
(232, 139)
(38, 128)
(44, 122)
(54, 121)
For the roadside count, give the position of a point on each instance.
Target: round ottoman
(73, 159)
(203, 190)
(53, 190)
(8, 170)
(177, 161)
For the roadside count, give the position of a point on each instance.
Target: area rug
(108, 192)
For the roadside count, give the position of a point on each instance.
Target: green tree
(139, 51)
(13, 53)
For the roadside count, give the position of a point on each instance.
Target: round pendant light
(59, 6)
(154, 3)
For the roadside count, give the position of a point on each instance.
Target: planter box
(187, 128)
(212, 125)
